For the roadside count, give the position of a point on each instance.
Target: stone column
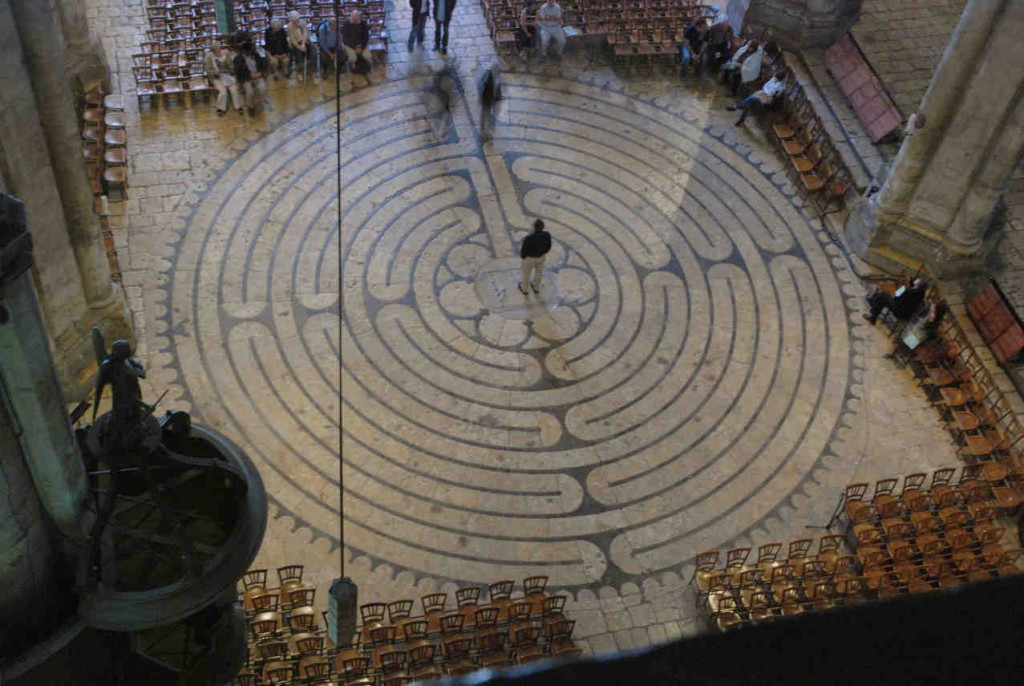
(969, 225)
(28, 385)
(43, 50)
(940, 100)
(83, 58)
(935, 203)
(802, 24)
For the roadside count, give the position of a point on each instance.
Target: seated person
(526, 32)
(550, 23)
(769, 91)
(250, 66)
(355, 36)
(694, 47)
(918, 332)
(903, 305)
(744, 66)
(328, 39)
(718, 45)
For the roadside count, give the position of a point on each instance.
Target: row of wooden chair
(977, 414)
(813, 163)
(105, 144)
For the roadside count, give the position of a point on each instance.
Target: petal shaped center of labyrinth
(677, 377)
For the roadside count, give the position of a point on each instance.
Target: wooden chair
(302, 619)
(372, 615)
(525, 645)
(759, 607)
(264, 602)
(492, 651)
(854, 502)
(278, 672)
(558, 637)
(792, 604)
(392, 663)
(457, 660)
(552, 609)
(485, 620)
(398, 612)
(767, 558)
(433, 607)
(519, 616)
(705, 566)
(421, 662)
(382, 641)
(500, 593)
(533, 589)
(415, 632)
(798, 551)
(468, 601)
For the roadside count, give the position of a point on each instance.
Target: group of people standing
(421, 12)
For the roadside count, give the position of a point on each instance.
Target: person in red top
(535, 247)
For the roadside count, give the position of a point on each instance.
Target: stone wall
(41, 162)
(801, 24)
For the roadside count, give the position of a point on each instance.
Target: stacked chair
(104, 143)
(169, 64)
(813, 163)
(986, 432)
(748, 591)
(640, 32)
(403, 640)
(928, 534)
(254, 17)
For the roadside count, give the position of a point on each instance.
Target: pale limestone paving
(476, 448)
(903, 41)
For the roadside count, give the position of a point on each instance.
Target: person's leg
(412, 30)
(745, 105)
(350, 56)
(437, 34)
(262, 92)
(444, 37)
(878, 302)
(538, 272)
(222, 96)
(422, 28)
(524, 273)
(559, 36)
(486, 112)
(236, 96)
(545, 41)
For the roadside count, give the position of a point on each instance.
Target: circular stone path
(677, 378)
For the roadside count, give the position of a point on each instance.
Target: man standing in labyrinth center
(535, 247)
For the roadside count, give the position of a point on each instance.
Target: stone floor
(694, 373)
(904, 41)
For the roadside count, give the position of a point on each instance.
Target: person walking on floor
(218, 67)
(420, 14)
(535, 247)
(298, 41)
(443, 10)
(490, 94)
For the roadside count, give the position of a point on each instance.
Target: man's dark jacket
(355, 35)
(242, 69)
(905, 305)
(449, 7)
(537, 244)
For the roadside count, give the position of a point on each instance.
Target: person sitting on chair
(920, 331)
(903, 305)
(355, 36)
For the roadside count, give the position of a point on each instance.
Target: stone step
(851, 140)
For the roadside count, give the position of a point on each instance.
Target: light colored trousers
(255, 92)
(278, 64)
(222, 94)
(546, 35)
(532, 267)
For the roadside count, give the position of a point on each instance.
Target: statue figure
(123, 429)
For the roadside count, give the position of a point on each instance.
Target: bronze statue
(123, 429)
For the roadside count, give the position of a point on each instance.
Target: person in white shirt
(550, 22)
(218, 67)
(769, 91)
(744, 66)
(298, 41)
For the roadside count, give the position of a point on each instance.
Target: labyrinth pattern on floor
(678, 376)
